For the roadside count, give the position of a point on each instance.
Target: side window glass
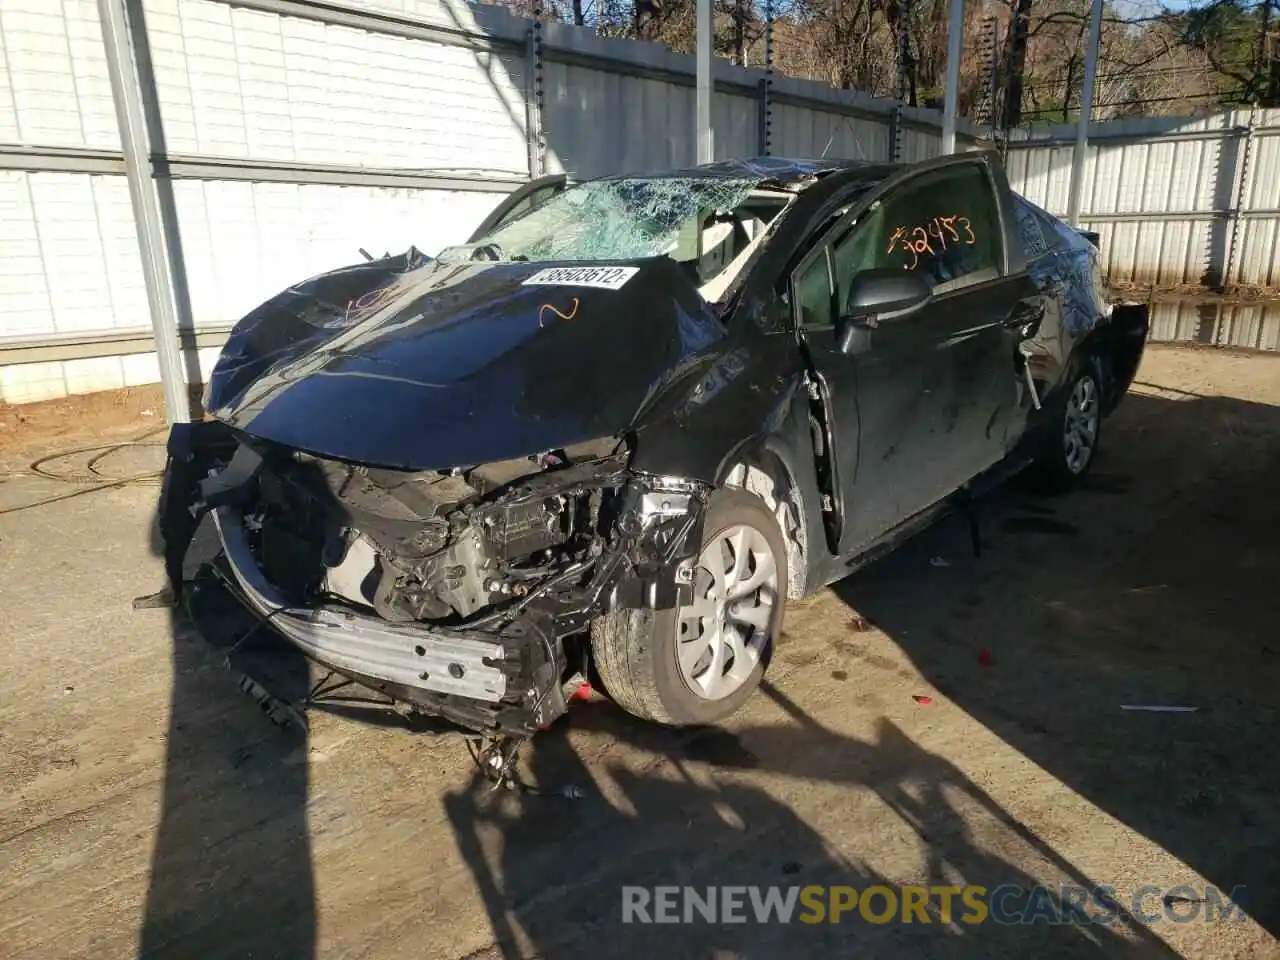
(813, 294)
(1033, 242)
(516, 212)
(528, 204)
(943, 226)
(542, 195)
(858, 249)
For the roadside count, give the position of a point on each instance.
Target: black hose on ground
(91, 476)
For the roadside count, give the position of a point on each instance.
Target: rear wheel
(699, 663)
(1073, 437)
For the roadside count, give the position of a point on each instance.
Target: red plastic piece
(985, 658)
(583, 692)
(922, 700)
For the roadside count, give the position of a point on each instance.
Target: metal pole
(705, 134)
(767, 139)
(534, 96)
(950, 105)
(146, 209)
(1086, 113)
(895, 118)
(1243, 192)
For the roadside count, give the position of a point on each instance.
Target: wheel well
(1095, 351)
(768, 478)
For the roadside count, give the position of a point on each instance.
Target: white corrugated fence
(290, 134)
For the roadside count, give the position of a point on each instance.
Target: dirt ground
(146, 805)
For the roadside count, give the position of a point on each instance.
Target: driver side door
(923, 403)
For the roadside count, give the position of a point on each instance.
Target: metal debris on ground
(162, 599)
(277, 711)
(1170, 899)
(1146, 708)
(938, 562)
(495, 758)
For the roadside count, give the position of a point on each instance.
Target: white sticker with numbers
(605, 278)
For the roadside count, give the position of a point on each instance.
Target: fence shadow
(231, 872)
(1153, 585)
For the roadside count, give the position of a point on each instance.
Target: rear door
(934, 398)
(519, 202)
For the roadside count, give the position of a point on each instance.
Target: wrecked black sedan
(618, 429)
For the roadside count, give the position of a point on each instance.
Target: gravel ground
(146, 804)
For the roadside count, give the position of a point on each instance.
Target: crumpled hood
(417, 364)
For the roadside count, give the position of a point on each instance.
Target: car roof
(770, 170)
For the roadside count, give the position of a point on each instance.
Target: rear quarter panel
(1083, 326)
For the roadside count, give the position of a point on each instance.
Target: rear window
(1030, 230)
(1055, 232)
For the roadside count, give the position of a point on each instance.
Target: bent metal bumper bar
(348, 641)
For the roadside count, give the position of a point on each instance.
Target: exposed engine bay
(452, 591)
(436, 547)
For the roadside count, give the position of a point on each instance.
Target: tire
(637, 652)
(1070, 448)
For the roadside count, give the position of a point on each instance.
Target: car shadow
(231, 870)
(692, 813)
(1154, 585)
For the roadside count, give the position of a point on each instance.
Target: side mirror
(879, 296)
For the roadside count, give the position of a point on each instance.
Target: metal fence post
(766, 85)
(950, 103)
(705, 135)
(1244, 191)
(1086, 114)
(762, 118)
(904, 50)
(535, 96)
(146, 209)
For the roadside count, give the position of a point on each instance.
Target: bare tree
(1157, 62)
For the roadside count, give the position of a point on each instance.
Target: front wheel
(1074, 432)
(699, 663)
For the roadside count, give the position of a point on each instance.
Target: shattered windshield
(623, 219)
